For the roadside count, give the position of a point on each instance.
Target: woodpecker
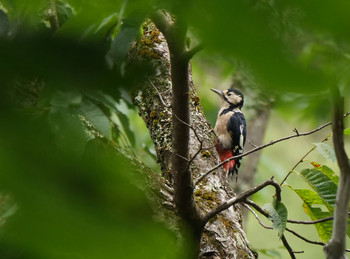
(230, 129)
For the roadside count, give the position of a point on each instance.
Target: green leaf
(330, 173)
(278, 215)
(65, 124)
(326, 151)
(126, 126)
(4, 24)
(322, 184)
(97, 117)
(121, 44)
(314, 207)
(69, 100)
(324, 229)
(270, 253)
(101, 98)
(347, 131)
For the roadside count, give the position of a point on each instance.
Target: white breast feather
(221, 129)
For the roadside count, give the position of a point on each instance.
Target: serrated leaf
(326, 151)
(322, 184)
(312, 206)
(278, 215)
(347, 131)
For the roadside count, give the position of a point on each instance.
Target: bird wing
(238, 129)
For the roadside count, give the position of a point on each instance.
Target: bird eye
(229, 94)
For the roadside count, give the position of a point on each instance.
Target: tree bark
(223, 236)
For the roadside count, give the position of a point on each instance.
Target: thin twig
(312, 222)
(256, 216)
(264, 146)
(305, 239)
(251, 143)
(182, 157)
(266, 214)
(302, 159)
(257, 207)
(287, 246)
(159, 95)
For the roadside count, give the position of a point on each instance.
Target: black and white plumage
(230, 128)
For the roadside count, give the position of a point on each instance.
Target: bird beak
(218, 92)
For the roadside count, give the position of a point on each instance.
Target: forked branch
(242, 197)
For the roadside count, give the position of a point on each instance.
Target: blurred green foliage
(69, 205)
(72, 195)
(63, 92)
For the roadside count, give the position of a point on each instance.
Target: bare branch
(242, 197)
(251, 143)
(287, 246)
(305, 239)
(256, 216)
(257, 207)
(264, 146)
(313, 222)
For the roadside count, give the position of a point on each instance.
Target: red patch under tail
(229, 165)
(226, 154)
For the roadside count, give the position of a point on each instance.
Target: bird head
(232, 97)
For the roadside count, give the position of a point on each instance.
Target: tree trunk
(223, 236)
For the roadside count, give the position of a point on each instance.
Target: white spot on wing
(241, 139)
